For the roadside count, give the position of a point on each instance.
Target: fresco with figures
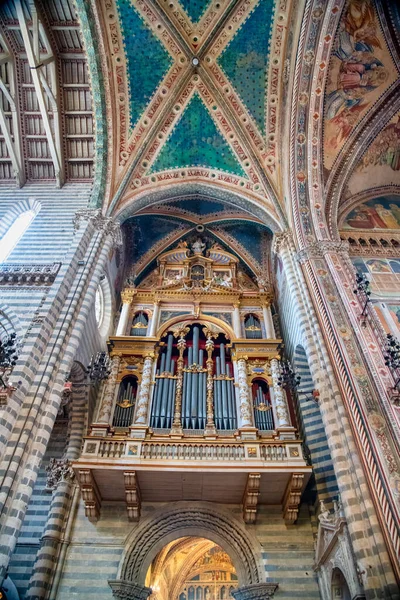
(360, 70)
(380, 165)
(389, 316)
(379, 213)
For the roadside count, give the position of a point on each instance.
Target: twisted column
(210, 427)
(281, 406)
(142, 406)
(177, 423)
(244, 394)
(107, 401)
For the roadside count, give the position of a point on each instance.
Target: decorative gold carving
(292, 497)
(210, 335)
(125, 403)
(250, 497)
(181, 345)
(128, 294)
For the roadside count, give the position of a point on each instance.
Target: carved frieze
(22, 275)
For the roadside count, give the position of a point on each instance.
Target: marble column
(281, 406)
(154, 320)
(244, 395)
(142, 406)
(237, 327)
(107, 400)
(127, 590)
(268, 322)
(127, 297)
(256, 591)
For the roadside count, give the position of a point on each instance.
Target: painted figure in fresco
(378, 266)
(396, 212)
(385, 150)
(387, 216)
(360, 71)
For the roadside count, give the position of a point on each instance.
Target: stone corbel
(127, 590)
(132, 495)
(291, 499)
(90, 494)
(256, 591)
(250, 498)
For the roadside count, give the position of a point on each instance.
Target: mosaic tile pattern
(195, 8)
(245, 60)
(147, 60)
(198, 206)
(196, 142)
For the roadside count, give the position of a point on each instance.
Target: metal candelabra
(363, 291)
(288, 378)
(99, 368)
(8, 358)
(392, 358)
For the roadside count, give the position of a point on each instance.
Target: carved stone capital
(282, 240)
(57, 471)
(257, 591)
(99, 222)
(126, 590)
(319, 249)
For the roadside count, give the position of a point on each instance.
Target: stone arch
(9, 321)
(215, 191)
(202, 520)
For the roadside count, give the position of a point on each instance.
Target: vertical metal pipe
(189, 386)
(185, 400)
(169, 352)
(231, 414)
(195, 344)
(224, 400)
(218, 416)
(170, 397)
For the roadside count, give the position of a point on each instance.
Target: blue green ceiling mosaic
(199, 206)
(195, 9)
(147, 59)
(245, 60)
(250, 235)
(196, 142)
(143, 232)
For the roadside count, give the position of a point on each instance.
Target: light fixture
(392, 359)
(8, 358)
(99, 368)
(364, 291)
(288, 378)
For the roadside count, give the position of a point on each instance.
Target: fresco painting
(360, 69)
(379, 213)
(376, 265)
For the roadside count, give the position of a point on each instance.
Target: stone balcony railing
(192, 451)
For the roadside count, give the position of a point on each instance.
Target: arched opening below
(192, 568)
(340, 589)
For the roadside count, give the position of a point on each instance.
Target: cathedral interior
(199, 299)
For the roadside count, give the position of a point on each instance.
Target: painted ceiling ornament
(198, 246)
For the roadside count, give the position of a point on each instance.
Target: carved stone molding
(250, 498)
(58, 470)
(90, 494)
(126, 590)
(28, 274)
(292, 498)
(201, 520)
(260, 591)
(319, 249)
(334, 551)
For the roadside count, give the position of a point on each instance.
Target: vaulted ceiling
(274, 108)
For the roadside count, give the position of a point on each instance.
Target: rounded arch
(9, 321)
(358, 199)
(202, 320)
(203, 520)
(29, 204)
(209, 191)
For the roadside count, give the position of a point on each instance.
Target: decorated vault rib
(195, 141)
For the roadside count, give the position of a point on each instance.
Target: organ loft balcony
(192, 408)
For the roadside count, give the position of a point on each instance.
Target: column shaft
(107, 400)
(142, 406)
(281, 406)
(268, 322)
(245, 403)
(154, 320)
(237, 328)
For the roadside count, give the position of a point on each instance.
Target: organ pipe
(225, 409)
(164, 389)
(125, 406)
(263, 416)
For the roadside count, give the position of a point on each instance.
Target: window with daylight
(12, 236)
